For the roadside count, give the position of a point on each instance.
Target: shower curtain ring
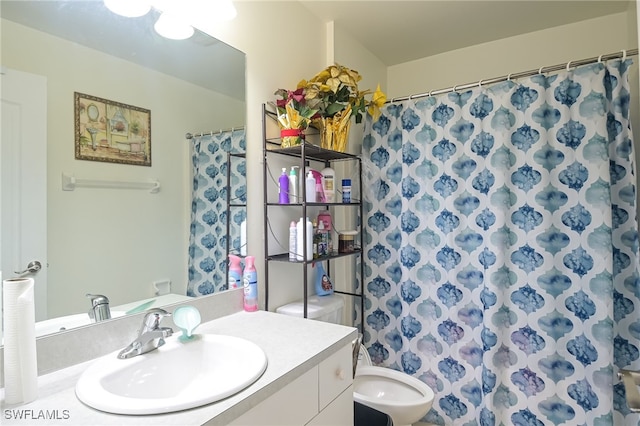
(624, 55)
(480, 84)
(540, 70)
(600, 59)
(568, 65)
(455, 88)
(509, 76)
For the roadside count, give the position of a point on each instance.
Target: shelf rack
(307, 152)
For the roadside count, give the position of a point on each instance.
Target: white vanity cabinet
(322, 396)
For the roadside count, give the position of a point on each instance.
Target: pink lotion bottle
(250, 281)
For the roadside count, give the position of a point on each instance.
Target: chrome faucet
(150, 336)
(99, 307)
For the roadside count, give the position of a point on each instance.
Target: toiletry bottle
(310, 183)
(284, 187)
(325, 217)
(243, 238)
(250, 279)
(292, 240)
(346, 190)
(320, 198)
(235, 272)
(328, 184)
(304, 228)
(322, 239)
(316, 240)
(303, 176)
(293, 185)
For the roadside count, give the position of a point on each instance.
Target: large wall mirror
(131, 245)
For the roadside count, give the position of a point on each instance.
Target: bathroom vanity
(308, 381)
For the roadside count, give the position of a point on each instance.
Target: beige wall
(521, 53)
(115, 242)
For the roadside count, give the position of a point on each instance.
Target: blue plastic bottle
(284, 187)
(235, 272)
(250, 279)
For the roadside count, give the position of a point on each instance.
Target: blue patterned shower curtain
(208, 232)
(502, 248)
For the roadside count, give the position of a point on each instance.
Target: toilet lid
(363, 356)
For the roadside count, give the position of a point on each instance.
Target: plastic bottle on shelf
(283, 197)
(320, 198)
(316, 239)
(325, 217)
(250, 281)
(243, 238)
(292, 240)
(235, 272)
(310, 189)
(328, 184)
(293, 185)
(304, 228)
(346, 190)
(322, 238)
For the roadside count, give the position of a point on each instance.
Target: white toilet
(403, 398)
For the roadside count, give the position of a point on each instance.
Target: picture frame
(111, 131)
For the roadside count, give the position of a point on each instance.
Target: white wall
(284, 43)
(115, 242)
(521, 53)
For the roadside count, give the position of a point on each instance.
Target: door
(23, 179)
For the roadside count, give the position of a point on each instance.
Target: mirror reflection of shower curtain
(502, 248)
(208, 230)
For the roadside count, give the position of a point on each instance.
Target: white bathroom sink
(177, 376)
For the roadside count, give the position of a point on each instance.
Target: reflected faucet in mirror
(99, 307)
(150, 337)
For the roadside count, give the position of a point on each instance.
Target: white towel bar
(70, 183)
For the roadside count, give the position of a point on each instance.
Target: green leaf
(335, 108)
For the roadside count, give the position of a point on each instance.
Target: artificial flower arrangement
(294, 116)
(333, 97)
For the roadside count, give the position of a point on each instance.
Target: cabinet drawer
(335, 375)
(338, 413)
(293, 405)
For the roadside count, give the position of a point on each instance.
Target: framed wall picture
(111, 131)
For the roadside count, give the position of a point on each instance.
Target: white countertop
(292, 345)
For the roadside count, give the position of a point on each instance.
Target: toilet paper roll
(20, 360)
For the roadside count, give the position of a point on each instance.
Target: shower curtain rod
(191, 136)
(621, 54)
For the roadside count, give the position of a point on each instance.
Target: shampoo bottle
(235, 272)
(283, 187)
(328, 184)
(293, 185)
(301, 231)
(250, 279)
(310, 188)
(292, 240)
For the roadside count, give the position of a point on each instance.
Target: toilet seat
(405, 399)
(401, 389)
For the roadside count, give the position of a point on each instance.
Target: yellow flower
(377, 101)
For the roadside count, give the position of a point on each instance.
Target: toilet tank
(322, 308)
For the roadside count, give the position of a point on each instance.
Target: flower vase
(291, 137)
(334, 131)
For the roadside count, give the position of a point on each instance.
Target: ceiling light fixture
(129, 8)
(169, 25)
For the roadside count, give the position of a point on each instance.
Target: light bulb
(170, 26)
(128, 8)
